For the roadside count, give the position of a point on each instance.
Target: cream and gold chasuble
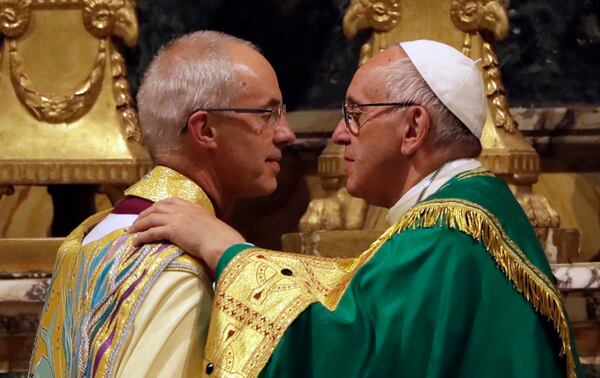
(90, 324)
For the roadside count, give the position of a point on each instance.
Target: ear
(416, 129)
(199, 130)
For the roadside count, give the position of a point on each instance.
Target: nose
(340, 134)
(284, 133)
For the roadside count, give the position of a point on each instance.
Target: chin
(266, 188)
(353, 189)
(362, 191)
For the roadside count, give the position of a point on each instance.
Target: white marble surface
(580, 276)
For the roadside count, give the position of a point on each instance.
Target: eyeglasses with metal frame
(352, 112)
(276, 113)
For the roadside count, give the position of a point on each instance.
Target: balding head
(403, 83)
(193, 71)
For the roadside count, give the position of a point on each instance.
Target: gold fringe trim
(481, 225)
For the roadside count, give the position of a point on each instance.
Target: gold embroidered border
(235, 345)
(258, 296)
(240, 345)
(481, 225)
(163, 182)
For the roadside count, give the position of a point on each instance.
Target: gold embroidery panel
(163, 182)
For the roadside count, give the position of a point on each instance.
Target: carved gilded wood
(68, 114)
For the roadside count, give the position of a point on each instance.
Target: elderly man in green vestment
(457, 286)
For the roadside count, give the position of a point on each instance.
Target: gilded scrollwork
(483, 16)
(105, 18)
(98, 18)
(14, 17)
(51, 107)
(467, 15)
(382, 15)
(379, 15)
(487, 18)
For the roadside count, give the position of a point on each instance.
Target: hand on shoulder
(191, 227)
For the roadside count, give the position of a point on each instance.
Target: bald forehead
(385, 58)
(256, 76)
(245, 58)
(373, 67)
(250, 64)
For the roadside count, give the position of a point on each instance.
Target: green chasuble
(458, 287)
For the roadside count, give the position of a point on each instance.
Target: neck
(417, 171)
(205, 178)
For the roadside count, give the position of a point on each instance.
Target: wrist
(214, 257)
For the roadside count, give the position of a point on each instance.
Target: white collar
(410, 198)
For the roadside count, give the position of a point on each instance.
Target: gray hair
(193, 71)
(404, 83)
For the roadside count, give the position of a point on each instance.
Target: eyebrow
(274, 101)
(351, 100)
(271, 103)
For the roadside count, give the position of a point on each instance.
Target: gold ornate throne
(66, 117)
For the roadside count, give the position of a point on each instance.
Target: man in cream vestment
(213, 119)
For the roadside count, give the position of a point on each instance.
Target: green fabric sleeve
(228, 255)
(430, 303)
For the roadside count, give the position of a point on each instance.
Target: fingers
(152, 235)
(162, 206)
(149, 221)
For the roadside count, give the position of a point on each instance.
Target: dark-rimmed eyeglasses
(352, 112)
(276, 113)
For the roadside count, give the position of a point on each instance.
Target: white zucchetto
(454, 78)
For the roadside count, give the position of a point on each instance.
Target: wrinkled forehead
(369, 79)
(254, 73)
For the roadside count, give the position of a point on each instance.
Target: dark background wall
(552, 55)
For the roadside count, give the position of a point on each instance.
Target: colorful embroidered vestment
(98, 288)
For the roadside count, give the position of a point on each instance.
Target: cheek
(364, 151)
(373, 156)
(249, 151)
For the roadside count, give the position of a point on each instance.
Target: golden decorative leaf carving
(498, 104)
(381, 16)
(124, 100)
